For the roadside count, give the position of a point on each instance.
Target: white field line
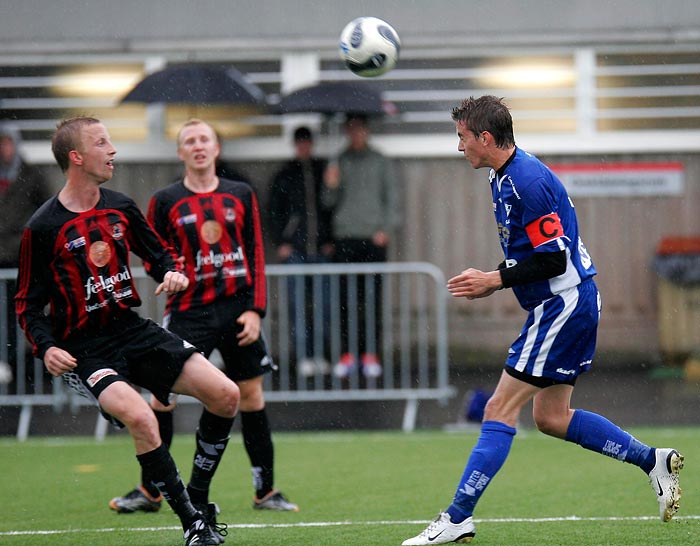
(336, 524)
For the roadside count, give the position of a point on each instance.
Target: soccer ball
(369, 47)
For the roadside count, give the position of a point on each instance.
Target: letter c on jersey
(545, 223)
(544, 229)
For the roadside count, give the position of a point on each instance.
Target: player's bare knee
(158, 406)
(225, 403)
(493, 409)
(252, 403)
(252, 396)
(141, 423)
(549, 424)
(233, 397)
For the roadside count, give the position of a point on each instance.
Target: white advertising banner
(621, 179)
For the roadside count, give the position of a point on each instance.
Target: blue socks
(595, 432)
(589, 430)
(486, 459)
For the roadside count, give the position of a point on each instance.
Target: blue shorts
(558, 339)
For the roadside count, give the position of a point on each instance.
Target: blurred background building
(608, 92)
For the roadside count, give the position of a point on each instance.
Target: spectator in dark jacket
(22, 190)
(301, 233)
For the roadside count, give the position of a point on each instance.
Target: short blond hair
(196, 121)
(68, 138)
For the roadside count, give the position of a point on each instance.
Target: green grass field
(354, 489)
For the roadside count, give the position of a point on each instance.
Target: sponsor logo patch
(504, 234)
(117, 231)
(97, 285)
(99, 375)
(100, 253)
(211, 232)
(218, 259)
(75, 243)
(189, 219)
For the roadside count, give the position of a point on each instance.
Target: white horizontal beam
(408, 146)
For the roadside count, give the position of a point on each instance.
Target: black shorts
(135, 350)
(540, 382)
(215, 327)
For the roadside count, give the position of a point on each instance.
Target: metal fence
(316, 313)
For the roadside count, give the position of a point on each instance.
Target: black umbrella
(336, 97)
(196, 84)
(333, 98)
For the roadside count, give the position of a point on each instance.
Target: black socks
(159, 466)
(257, 439)
(165, 426)
(212, 438)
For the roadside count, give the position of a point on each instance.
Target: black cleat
(136, 500)
(209, 511)
(200, 534)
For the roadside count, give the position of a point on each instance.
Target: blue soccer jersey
(535, 214)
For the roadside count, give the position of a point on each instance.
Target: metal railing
(316, 313)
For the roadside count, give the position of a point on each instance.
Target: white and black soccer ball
(369, 47)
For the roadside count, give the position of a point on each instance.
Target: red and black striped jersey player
(213, 224)
(74, 257)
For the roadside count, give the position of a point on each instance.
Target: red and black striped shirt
(220, 236)
(78, 263)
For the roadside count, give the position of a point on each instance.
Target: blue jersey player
(551, 273)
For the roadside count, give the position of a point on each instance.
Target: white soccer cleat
(664, 479)
(443, 531)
